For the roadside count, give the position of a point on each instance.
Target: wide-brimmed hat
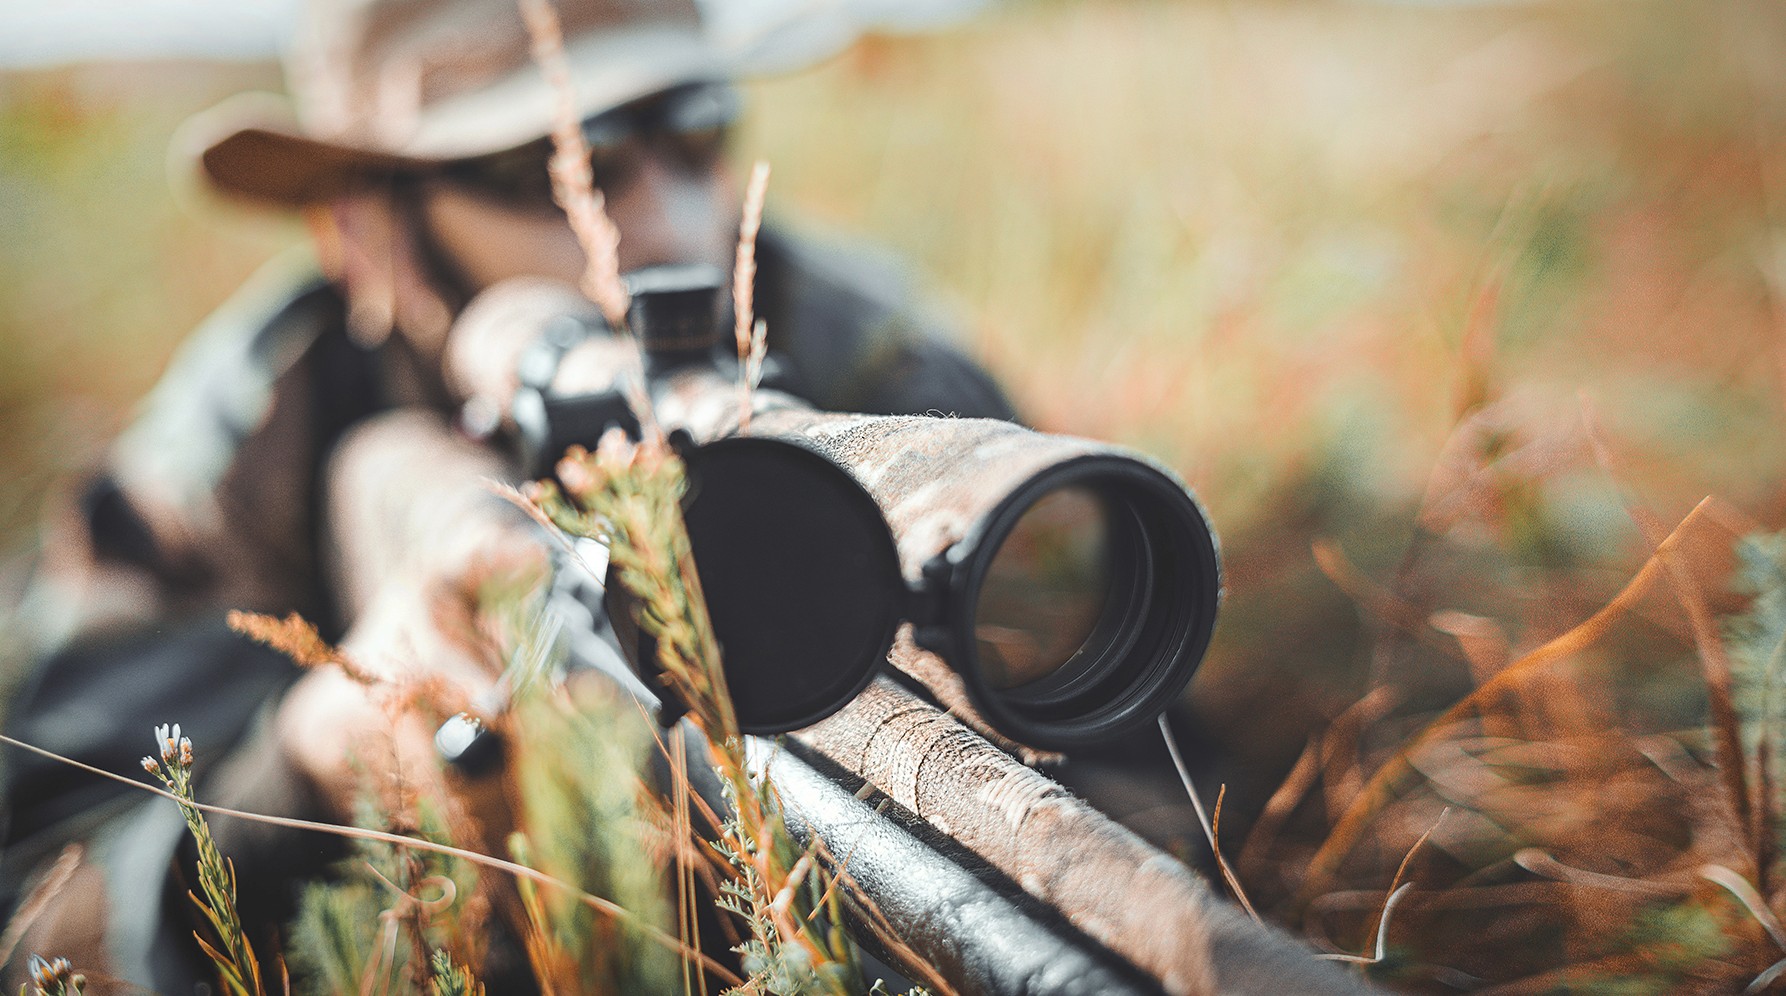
(402, 85)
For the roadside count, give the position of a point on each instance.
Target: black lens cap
(801, 576)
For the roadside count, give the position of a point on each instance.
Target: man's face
(658, 163)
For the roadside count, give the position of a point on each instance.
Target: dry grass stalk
(687, 923)
(1714, 665)
(747, 330)
(296, 638)
(1228, 876)
(573, 187)
(1726, 725)
(1380, 949)
(573, 181)
(1397, 889)
(1212, 825)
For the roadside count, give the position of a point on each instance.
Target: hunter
(418, 158)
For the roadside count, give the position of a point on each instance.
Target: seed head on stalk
(573, 187)
(232, 955)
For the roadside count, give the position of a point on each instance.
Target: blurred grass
(1185, 225)
(1286, 246)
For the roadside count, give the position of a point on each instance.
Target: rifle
(987, 870)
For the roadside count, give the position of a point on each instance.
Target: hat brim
(286, 168)
(252, 149)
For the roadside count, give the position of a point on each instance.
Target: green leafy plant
(454, 980)
(376, 921)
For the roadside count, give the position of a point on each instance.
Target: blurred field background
(1422, 299)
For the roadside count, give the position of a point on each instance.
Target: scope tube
(1102, 558)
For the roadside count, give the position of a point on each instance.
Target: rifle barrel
(1141, 904)
(983, 941)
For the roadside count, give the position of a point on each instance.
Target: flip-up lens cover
(801, 578)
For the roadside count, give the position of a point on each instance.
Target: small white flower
(170, 741)
(45, 974)
(150, 766)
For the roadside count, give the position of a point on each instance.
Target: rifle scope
(1071, 585)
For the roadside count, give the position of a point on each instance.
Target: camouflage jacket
(211, 501)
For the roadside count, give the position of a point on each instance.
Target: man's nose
(668, 213)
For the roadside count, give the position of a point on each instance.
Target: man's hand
(413, 522)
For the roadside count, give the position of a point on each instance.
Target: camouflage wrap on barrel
(1140, 903)
(935, 478)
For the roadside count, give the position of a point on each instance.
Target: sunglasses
(690, 122)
